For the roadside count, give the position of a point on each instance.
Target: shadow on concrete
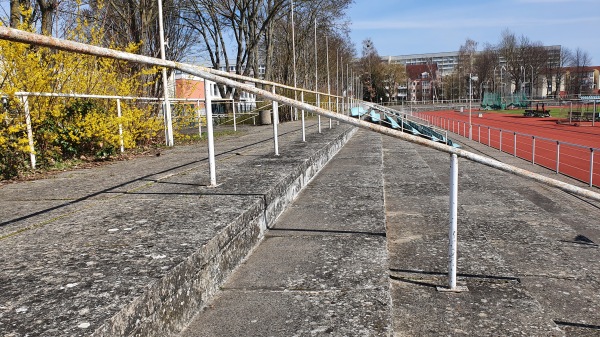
(142, 178)
(326, 231)
(444, 274)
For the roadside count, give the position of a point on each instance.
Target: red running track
(564, 148)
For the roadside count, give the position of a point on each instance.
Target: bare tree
(510, 50)
(370, 65)
(578, 82)
(555, 71)
(484, 65)
(247, 21)
(536, 58)
(466, 58)
(128, 22)
(522, 57)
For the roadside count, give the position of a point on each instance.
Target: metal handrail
(212, 75)
(521, 134)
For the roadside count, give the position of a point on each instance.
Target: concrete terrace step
(527, 275)
(322, 268)
(137, 247)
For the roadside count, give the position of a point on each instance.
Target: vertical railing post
(515, 145)
(275, 126)
(29, 131)
(319, 116)
(121, 142)
(210, 133)
(591, 166)
(302, 112)
(489, 136)
(557, 156)
(233, 108)
(199, 118)
(165, 80)
(453, 231)
(479, 134)
(500, 140)
(533, 150)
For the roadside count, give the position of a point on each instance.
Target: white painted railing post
(591, 167)
(120, 126)
(303, 123)
(275, 124)
(210, 134)
(234, 121)
(557, 156)
(29, 131)
(533, 150)
(515, 145)
(199, 119)
(319, 116)
(453, 230)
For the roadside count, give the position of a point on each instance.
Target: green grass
(554, 112)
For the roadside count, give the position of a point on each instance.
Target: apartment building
(421, 86)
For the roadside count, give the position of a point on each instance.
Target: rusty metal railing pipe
(209, 74)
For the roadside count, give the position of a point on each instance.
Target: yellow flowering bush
(62, 127)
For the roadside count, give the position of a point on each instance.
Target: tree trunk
(47, 8)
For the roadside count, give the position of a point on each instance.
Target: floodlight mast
(471, 78)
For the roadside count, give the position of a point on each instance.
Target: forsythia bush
(65, 128)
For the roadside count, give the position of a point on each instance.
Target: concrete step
(322, 268)
(516, 251)
(136, 248)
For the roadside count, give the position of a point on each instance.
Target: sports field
(573, 150)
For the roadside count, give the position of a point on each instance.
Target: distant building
(188, 86)
(426, 70)
(447, 62)
(582, 80)
(421, 82)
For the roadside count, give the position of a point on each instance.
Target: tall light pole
(167, 110)
(531, 85)
(523, 82)
(294, 61)
(328, 83)
(337, 79)
(316, 63)
(501, 85)
(471, 78)
(494, 83)
(317, 103)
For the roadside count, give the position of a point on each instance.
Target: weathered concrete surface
(523, 249)
(101, 251)
(322, 269)
(137, 247)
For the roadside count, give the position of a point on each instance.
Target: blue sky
(401, 27)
